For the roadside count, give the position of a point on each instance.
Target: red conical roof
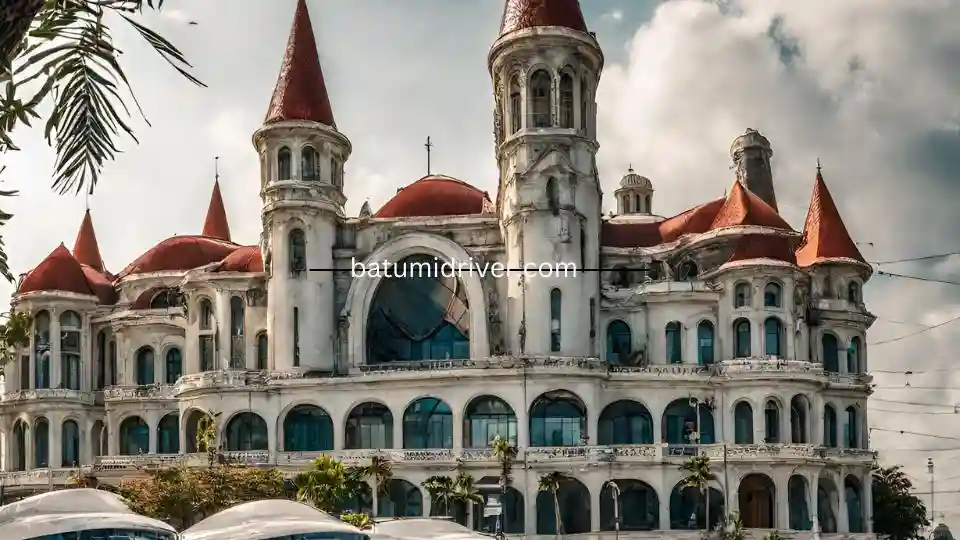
(216, 225)
(86, 250)
(825, 237)
(301, 93)
(59, 271)
(521, 14)
(745, 208)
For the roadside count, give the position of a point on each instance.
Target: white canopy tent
(271, 519)
(423, 528)
(74, 510)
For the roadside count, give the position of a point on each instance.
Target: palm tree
(381, 471)
(551, 483)
(505, 454)
(698, 477)
(324, 485)
(61, 52)
(466, 495)
(441, 489)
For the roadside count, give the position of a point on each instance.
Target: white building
(724, 309)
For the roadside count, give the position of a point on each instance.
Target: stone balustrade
(149, 392)
(49, 394)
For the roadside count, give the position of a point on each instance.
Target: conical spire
(301, 93)
(216, 224)
(86, 249)
(825, 237)
(521, 14)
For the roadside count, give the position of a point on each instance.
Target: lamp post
(930, 470)
(615, 491)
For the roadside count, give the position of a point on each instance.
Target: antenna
(216, 168)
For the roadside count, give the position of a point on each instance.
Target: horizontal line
(556, 270)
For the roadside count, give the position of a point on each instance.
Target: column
(28, 448)
(32, 383)
(781, 480)
(868, 502)
(56, 440)
(223, 330)
(55, 365)
(843, 521)
(812, 502)
(152, 418)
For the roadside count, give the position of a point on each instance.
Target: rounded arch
(565, 92)
(742, 338)
(134, 436)
(774, 340)
(619, 342)
(98, 439)
(540, 96)
(246, 431)
(855, 356)
(853, 292)
(360, 296)
(853, 496)
(688, 508)
(309, 162)
(799, 419)
(307, 428)
(284, 164)
(558, 418)
(145, 364)
(427, 423)
(402, 499)
(688, 271)
(70, 320)
(70, 443)
(681, 419)
(573, 500)
(623, 422)
(741, 294)
(772, 407)
(773, 294)
(828, 504)
(743, 422)
(797, 501)
(673, 336)
(20, 429)
(706, 338)
(829, 426)
(168, 434)
(757, 496)
(515, 107)
(485, 418)
(369, 425)
(190, 420)
(851, 427)
(41, 443)
(830, 352)
(172, 364)
(205, 313)
(639, 506)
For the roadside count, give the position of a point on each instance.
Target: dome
(751, 138)
(259, 520)
(59, 271)
(436, 196)
(632, 179)
(246, 259)
(180, 253)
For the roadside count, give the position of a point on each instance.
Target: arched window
(741, 295)
(854, 356)
(705, 355)
(173, 365)
(773, 337)
(557, 419)
(648, 204)
(566, 101)
(797, 502)
(674, 343)
(296, 337)
(206, 314)
(145, 366)
(772, 294)
(854, 505)
(283, 164)
(101, 360)
(852, 428)
(741, 338)
(246, 431)
(687, 271)
(69, 444)
(262, 351)
(831, 353)
(636, 204)
(307, 428)
(168, 434)
(428, 423)
(487, 418)
(309, 163)
(134, 436)
(743, 423)
(112, 359)
(625, 422)
(237, 343)
(540, 102)
(70, 327)
(829, 426)
(553, 196)
(555, 305)
(41, 342)
(336, 172)
(369, 426)
(161, 300)
(771, 422)
(798, 419)
(515, 104)
(298, 251)
(853, 293)
(584, 105)
(20, 441)
(619, 343)
(41, 444)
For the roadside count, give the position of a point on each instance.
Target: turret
(302, 155)
(546, 68)
(751, 153)
(635, 195)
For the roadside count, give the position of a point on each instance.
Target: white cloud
(616, 14)
(865, 85)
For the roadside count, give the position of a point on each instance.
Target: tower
(751, 154)
(545, 68)
(635, 195)
(301, 160)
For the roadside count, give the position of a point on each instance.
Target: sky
(870, 87)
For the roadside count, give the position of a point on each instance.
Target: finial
(87, 200)
(818, 164)
(428, 145)
(216, 168)
(630, 168)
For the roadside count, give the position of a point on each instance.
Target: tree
(698, 477)
(15, 333)
(61, 53)
(324, 485)
(466, 495)
(440, 489)
(505, 453)
(360, 521)
(897, 513)
(381, 471)
(550, 483)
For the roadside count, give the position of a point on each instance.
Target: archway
(98, 443)
(369, 426)
(573, 499)
(625, 422)
(688, 509)
(771, 422)
(191, 430)
(168, 434)
(427, 423)
(402, 499)
(417, 314)
(134, 436)
(307, 428)
(69, 444)
(41, 443)
(743, 423)
(487, 417)
(247, 431)
(511, 508)
(639, 506)
(681, 419)
(557, 418)
(797, 489)
(829, 426)
(757, 498)
(828, 503)
(20, 446)
(854, 499)
(831, 353)
(799, 406)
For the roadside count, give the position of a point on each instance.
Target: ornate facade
(721, 330)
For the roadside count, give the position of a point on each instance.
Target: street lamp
(930, 470)
(615, 490)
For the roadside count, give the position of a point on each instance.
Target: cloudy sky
(869, 86)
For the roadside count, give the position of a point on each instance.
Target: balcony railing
(63, 394)
(146, 392)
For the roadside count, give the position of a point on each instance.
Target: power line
(922, 258)
(915, 403)
(917, 278)
(918, 332)
(893, 411)
(911, 387)
(914, 371)
(916, 433)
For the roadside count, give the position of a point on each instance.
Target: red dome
(245, 259)
(436, 196)
(180, 253)
(59, 271)
(101, 284)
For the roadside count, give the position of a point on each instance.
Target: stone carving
(498, 111)
(343, 331)
(563, 229)
(495, 329)
(365, 210)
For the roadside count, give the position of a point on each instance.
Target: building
(720, 330)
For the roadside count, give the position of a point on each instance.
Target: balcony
(19, 397)
(148, 392)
